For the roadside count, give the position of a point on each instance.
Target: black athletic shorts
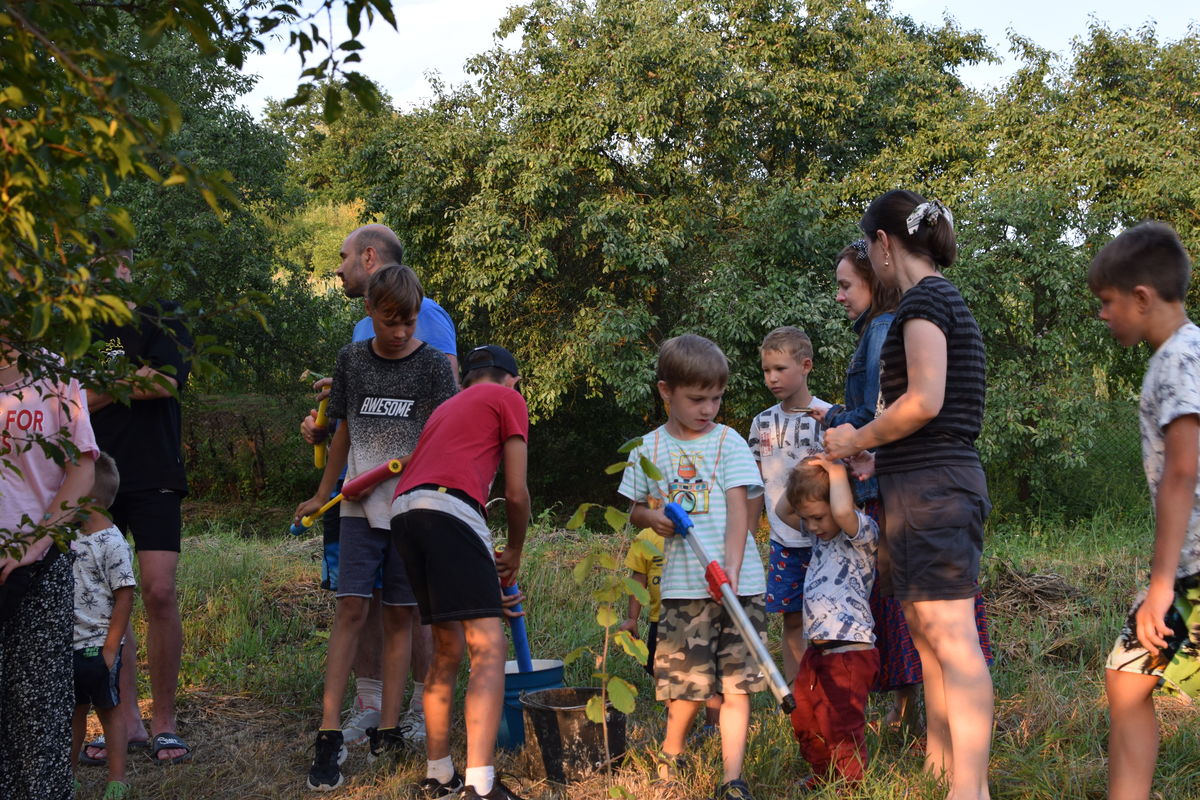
(95, 683)
(152, 517)
(451, 571)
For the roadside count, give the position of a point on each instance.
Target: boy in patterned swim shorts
(1141, 280)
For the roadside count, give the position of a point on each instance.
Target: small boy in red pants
(841, 661)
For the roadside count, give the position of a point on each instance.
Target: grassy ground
(256, 622)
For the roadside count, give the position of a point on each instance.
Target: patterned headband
(930, 212)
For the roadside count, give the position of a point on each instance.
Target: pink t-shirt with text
(53, 411)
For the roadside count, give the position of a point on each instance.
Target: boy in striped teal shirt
(707, 468)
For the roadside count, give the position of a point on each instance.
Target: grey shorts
(701, 653)
(368, 557)
(932, 532)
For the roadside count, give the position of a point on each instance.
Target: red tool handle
(361, 484)
(716, 579)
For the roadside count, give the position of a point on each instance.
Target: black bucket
(571, 745)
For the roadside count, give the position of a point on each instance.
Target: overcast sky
(440, 35)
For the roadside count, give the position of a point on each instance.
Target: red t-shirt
(463, 440)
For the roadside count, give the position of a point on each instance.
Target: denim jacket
(862, 385)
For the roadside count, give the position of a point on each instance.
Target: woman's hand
(840, 441)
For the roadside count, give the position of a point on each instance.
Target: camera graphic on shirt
(691, 495)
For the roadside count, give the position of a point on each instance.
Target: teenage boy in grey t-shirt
(384, 388)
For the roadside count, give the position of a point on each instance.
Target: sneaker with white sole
(354, 729)
(433, 788)
(412, 725)
(325, 774)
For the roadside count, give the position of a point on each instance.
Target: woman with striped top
(931, 482)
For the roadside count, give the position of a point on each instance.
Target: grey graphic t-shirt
(837, 586)
(1171, 389)
(386, 403)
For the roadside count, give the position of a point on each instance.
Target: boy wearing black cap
(439, 526)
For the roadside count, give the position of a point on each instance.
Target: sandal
(169, 741)
(99, 744)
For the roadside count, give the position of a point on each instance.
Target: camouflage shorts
(700, 652)
(1178, 665)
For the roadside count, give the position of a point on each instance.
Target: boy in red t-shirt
(439, 526)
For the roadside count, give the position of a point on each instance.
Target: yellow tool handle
(320, 450)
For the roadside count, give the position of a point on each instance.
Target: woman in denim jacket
(871, 305)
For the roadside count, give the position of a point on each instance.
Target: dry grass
(255, 617)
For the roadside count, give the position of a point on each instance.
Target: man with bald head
(363, 252)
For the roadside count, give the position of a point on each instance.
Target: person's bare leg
(348, 619)
(680, 714)
(485, 689)
(113, 723)
(948, 626)
(712, 710)
(397, 650)
(164, 639)
(939, 758)
(368, 655)
(735, 729)
(793, 644)
(78, 731)
(1133, 734)
(127, 686)
(422, 651)
(449, 645)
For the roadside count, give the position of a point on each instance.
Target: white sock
(370, 692)
(417, 701)
(482, 778)
(441, 770)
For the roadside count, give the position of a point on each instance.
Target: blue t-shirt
(434, 327)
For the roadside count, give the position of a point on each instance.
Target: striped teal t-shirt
(696, 474)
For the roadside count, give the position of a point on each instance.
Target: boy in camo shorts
(707, 468)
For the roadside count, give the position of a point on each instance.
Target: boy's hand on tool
(508, 561)
(312, 433)
(661, 523)
(308, 508)
(508, 601)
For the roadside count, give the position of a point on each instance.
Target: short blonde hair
(691, 360)
(788, 339)
(807, 481)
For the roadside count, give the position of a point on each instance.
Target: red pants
(830, 717)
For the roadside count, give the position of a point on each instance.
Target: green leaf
(648, 467)
(595, 709)
(574, 655)
(618, 467)
(580, 516)
(630, 445)
(634, 647)
(637, 590)
(606, 617)
(622, 693)
(606, 560)
(616, 519)
(620, 793)
(580, 573)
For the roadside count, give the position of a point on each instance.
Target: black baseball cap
(491, 355)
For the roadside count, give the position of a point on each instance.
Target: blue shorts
(785, 582)
(368, 555)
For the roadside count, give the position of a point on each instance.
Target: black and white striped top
(949, 438)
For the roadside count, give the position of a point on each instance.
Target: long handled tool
(351, 490)
(321, 448)
(720, 588)
(520, 636)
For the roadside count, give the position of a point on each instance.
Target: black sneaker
(499, 792)
(385, 743)
(325, 774)
(433, 788)
(734, 790)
